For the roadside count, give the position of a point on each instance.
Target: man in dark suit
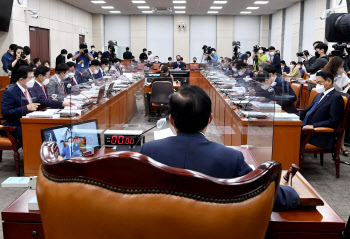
(127, 55)
(275, 59)
(93, 52)
(143, 56)
(326, 110)
(190, 114)
(283, 94)
(88, 74)
(178, 64)
(17, 102)
(38, 91)
(284, 67)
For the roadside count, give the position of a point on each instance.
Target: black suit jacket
(277, 63)
(328, 113)
(127, 55)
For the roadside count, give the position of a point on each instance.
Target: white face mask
(320, 88)
(261, 51)
(291, 66)
(92, 49)
(64, 56)
(272, 53)
(299, 67)
(340, 71)
(156, 60)
(11, 52)
(106, 68)
(30, 83)
(96, 71)
(240, 73)
(46, 81)
(65, 77)
(264, 87)
(71, 74)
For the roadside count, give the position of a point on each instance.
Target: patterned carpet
(335, 191)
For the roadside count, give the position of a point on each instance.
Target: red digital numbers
(122, 140)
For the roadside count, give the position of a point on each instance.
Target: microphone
(160, 124)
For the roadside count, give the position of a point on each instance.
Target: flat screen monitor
(5, 14)
(74, 139)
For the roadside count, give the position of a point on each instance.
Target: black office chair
(161, 90)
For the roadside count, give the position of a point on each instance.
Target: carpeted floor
(335, 191)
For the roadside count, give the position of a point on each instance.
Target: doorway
(81, 39)
(39, 43)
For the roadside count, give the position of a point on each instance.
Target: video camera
(207, 49)
(256, 48)
(306, 53)
(340, 49)
(236, 45)
(84, 47)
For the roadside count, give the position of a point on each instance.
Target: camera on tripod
(256, 48)
(207, 49)
(341, 49)
(236, 45)
(301, 54)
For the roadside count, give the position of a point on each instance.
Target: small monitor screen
(153, 75)
(74, 140)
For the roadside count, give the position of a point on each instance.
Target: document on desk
(41, 114)
(70, 111)
(16, 182)
(285, 116)
(162, 134)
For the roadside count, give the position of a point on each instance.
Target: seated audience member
(56, 85)
(170, 60)
(190, 114)
(127, 55)
(244, 57)
(194, 59)
(61, 58)
(36, 63)
(294, 70)
(336, 67)
(73, 79)
(300, 67)
(156, 59)
(243, 70)
(69, 57)
(164, 75)
(99, 56)
(38, 92)
(89, 74)
(17, 102)
(104, 67)
(326, 110)
(227, 66)
(71, 150)
(283, 93)
(116, 69)
(133, 63)
(321, 61)
(284, 67)
(46, 63)
(178, 64)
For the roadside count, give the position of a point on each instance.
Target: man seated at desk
(17, 102)
(283, 93)
(56, 84)
(190, 114)
(71, 150)
(164, 75)
(326, 110)
(90, 74)
(38, 92)
(178, 64)
(243, 70)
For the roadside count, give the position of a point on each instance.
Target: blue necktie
(312, 108)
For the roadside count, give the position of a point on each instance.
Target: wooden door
(39, 43)
(81, 39)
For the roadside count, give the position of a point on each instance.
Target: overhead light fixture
(147, 11)
(98, 2)
(180, 12)
(179, 7)
(243, 12)
(252, 8)
(220, 2)
(114, 11)
(137, 2)
(107, 7)
(261, 2)
(213, 12)
(179, 2)
(215, 7)
(143, 7)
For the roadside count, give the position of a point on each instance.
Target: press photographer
(245, 56)
(259, 56)
(82, 58)
(210, 55)
(19, 59)
(321, 61)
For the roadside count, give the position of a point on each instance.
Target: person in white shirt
(150, 57)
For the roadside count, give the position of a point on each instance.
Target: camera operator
(212, 58)
(313, 59)
(19, 59)
(82, 58)
(244, 57)
(274, 59)
(109, 54)
(321, 61)
(259, 58)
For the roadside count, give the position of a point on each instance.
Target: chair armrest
(324, 130)
(7, 128)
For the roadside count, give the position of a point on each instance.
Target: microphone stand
(140, 136)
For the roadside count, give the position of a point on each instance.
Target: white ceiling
(193, 7)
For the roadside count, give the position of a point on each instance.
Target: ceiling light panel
(138, 2)
(252, 8)
(143, 7)
(261, 2)
(114, 11)
(176, 2)
(213, 12)
(180, 12)
(220, 2)
(179, 7)
(244, 12)
(98, 2)
(215, 7)
(107, 7)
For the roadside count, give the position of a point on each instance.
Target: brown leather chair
(194, 66)
(126, 64)
(156, 66)
(129, 195)
(9, 142)
(313, 93)
(306, 148)
(297, 90)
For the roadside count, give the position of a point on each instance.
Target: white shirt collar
(22, 88)
(39, 83)
(327, 91)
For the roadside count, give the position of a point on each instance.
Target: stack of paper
(41, 114)
(162, 134)
(16, 182)
(70, 111)
(268, 106)
(285, 116)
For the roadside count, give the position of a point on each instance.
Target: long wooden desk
(322, 223)
(234, 129)
(112, 114)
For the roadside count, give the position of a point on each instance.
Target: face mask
(317, 54)
(299, 67)
(272, 53)
(260, 51)
(320, 88)
(194, 61)
(106, 68)
(71, 74)
(11, 52)
(264, 87)
(46, 81)
(64, 55)
(178, 59)
(291, 66)
(65, 77)
(213, 52)
(240, 73)
(156, 60)
(96, 71)
(340, 71)
(92, 49)
(30, 83)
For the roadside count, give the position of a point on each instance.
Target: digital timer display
(123, 137)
